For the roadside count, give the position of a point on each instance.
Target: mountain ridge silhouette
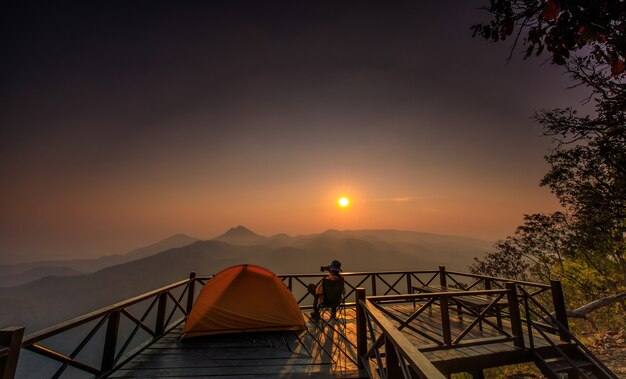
(22, 273)
(51, 300)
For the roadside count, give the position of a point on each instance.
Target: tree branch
(582, 312)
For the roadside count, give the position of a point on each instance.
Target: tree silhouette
(585, 245)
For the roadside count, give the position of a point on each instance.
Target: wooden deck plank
(331, 340)
(177, 362)
(302, 344)
(320, 349)
(218, 353)
(204, 344)
(325, 349)
(228, 370)
(286, 375)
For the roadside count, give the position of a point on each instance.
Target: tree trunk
(582, 312)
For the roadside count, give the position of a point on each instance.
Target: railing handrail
(409, 351)
(349, 273)
(113, 356)
(77, 321)
(522, 282)
(355, 273)
(565, 330)
(427, 295)
(395, 272)
(80, 320)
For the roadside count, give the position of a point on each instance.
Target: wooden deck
(469, 358)
(324, 349)
(400, 333)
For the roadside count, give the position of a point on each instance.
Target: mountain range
(22, 273)
(53, 299)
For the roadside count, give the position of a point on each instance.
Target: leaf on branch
(550, 10)
(617, 67)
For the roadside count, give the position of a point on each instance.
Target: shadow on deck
(327, 348)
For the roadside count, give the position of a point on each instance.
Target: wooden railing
(537, 317)
(160, 306)
(10, 345)
(157, 312)
(376, 283)
(382, 283)
(375, 333)
(444, 339)
(397, 286)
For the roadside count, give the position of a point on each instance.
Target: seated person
(329, 292)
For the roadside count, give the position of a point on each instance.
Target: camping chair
(333, 299)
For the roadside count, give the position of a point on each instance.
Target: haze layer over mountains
(52, 299)
(22, 273)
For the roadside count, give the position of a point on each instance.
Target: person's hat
(335, 266)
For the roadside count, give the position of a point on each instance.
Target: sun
(343, 202)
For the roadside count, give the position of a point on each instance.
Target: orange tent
(243, 298)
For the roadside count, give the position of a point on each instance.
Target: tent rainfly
(243, 298)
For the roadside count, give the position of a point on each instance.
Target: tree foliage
(562, 27)
(585, 244)
(532, 252)
(588, 176)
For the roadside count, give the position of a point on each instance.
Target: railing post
(445, 320)
(409, 284)
(373, 284)
(516, 320)
(487, 283)
(361, 328)
(11, 338)
(391, 360)
(160, 320)
(442, 276)
(290, 285)
(191, 291)
(110, 342)
(559, 308)
(443, 308)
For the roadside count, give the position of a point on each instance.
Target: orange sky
(124, 126)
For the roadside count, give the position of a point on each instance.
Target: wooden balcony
(466, 324)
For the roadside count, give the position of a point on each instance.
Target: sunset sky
(126, 122)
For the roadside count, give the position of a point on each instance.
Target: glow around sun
(343, 202)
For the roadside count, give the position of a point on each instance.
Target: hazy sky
(126, 122)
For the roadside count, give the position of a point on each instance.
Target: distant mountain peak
(240, 235)
(178, 236)
(281, 235)
(240, 231)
